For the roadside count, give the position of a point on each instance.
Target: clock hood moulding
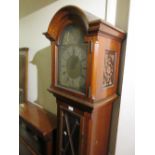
(92, 24)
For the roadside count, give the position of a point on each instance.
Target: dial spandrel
(72, 59)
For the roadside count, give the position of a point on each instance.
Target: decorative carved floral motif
(109, 66)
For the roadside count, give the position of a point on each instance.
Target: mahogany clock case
(84, 116)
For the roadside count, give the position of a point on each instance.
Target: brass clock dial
(72, 60)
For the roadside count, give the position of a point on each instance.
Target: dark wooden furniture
(23, 74)
(84, 106)
(37, 130)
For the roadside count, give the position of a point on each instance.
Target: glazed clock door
(72, 59)
(71, 134)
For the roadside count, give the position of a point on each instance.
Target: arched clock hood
(72, 14)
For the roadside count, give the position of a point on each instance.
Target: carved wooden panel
(109, 68)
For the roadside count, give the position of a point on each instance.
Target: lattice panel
(70, 134)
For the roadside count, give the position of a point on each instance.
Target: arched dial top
(72, 59)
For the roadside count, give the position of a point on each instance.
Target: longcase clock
(85, 62)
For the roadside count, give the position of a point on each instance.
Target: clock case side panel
(104, 42)
(108, 48)
(99, 130)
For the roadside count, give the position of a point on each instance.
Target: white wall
(125, 144)
(125, 136)
(110, 15)
(33, 25)
(117, 14)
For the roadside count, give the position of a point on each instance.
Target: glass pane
(72, 66)
(72, 59)
(71, 130)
